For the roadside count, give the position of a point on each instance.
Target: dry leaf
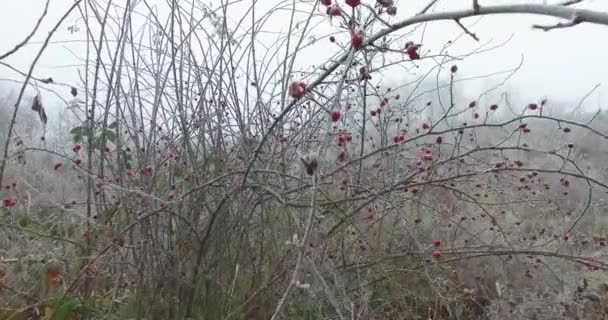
(37, 106)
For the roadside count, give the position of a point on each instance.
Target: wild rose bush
(214, 172)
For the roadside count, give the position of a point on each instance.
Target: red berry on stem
(9, 202)
(353, 3)
(436, 254)
(412, 51)
(334, 11)
(356, 40)
(297, 89)
(335, 116)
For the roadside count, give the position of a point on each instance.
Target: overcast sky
(561, 64)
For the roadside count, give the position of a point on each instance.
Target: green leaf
(109, 135)
(77, 138)
(77, 130)
(113, 125)
(127, 160)
(178, 172)
(97, 142)
(65, 309)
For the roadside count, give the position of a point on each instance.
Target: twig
(29, 36)
(474, 36)
(569, 3)
(560, 25)
(302, 252)
(428, 6)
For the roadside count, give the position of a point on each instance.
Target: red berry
(412, 51)
(566, 237)
(439, 139)
(532, 106)
(57, 166)
(342, 156)
(396, 139)
(335, 116)
(566, 130)
(414, 190)
(472, 104)
(9, 202)
(77, 162)
(391, 11)
(326, 2)
(147, 171)
(454, 68)
(356, 40)
(425, 126)
(76, 148)
(334, 11)
(297, 89)
(353, 3)
(437, 243)
(372, 113)
(493, 107)
(332, 39)
(436, 254)
(86, 234)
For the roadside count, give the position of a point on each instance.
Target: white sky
(561, 64)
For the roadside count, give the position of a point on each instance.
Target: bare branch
(560, 25)
(29, 36)
(474, 36)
